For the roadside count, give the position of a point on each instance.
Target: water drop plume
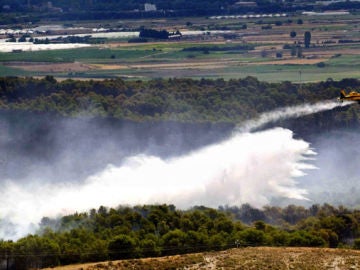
(291, 112)
(244, 169)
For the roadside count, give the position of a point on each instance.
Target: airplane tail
(342, 94)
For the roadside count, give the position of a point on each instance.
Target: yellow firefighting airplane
(352, 96)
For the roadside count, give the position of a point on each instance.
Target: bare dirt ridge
(281, 258)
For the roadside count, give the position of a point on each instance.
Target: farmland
(209, 48)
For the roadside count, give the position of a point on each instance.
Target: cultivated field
(334, 51)
(241, 258)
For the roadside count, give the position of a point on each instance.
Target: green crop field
(244, 51)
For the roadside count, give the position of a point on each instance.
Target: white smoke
(247, 168)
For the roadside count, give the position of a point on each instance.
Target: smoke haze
(222, 168)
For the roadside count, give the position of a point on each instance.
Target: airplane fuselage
(352, 96)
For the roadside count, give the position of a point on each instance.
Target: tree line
(157, 230)
(174, 99)
(112, 9)
(129, 5)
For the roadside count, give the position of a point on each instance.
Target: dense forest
(154, 230)
(181, 100)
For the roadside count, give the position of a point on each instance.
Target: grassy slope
(241, 258)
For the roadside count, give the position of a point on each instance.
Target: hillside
(179, 100)
(82, 135)
(241, 258)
